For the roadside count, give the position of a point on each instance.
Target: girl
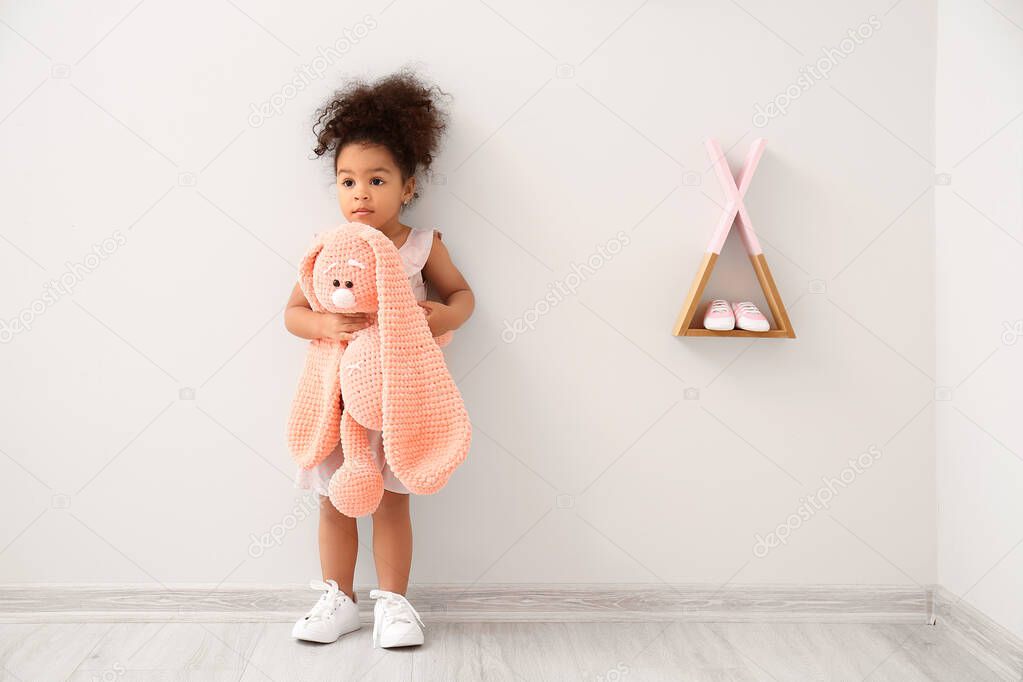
(381, 135)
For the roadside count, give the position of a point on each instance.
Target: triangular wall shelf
(734, 190)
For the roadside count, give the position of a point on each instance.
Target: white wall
(605, 448)
(979, 219)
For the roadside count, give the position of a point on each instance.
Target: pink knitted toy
(391, 377)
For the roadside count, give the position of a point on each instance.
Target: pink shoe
(719, 317)
(749, 318)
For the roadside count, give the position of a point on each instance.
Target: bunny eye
(349, 284)
(337, 283)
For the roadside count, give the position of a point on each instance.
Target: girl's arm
(449, 284)
(302, 321)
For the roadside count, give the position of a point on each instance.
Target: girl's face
(369, 186)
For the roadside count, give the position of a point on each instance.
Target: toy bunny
(390, 377)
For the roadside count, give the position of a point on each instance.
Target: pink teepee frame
(735, 211)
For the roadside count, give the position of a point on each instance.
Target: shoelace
(396, 607)
(327, 602)
(719, 306)
(746, 307)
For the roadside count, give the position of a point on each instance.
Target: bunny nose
(343, 298)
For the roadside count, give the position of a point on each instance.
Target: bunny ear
(315, 420)
(305, 271)
(426, 429)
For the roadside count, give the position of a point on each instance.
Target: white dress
(414, 253)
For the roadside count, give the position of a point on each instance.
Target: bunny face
(342, 276)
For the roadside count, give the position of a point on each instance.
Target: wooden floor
(605, 652)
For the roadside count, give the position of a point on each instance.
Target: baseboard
(996, 647)
(570, 602)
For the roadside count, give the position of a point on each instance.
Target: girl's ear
(305, 271)
(410, 190)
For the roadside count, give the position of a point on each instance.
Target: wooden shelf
(734, 188)
(770, 334)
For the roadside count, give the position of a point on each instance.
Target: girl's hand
(437, 316)
(340, 326)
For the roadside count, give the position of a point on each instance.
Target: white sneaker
(335, 614)
(719, 316)
(395, 622)
(749, 317)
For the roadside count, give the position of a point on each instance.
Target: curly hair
(399, 112)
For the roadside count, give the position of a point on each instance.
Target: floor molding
(569, 602)
(996, 647)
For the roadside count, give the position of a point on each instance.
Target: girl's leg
(392, 542)
(339, 546)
